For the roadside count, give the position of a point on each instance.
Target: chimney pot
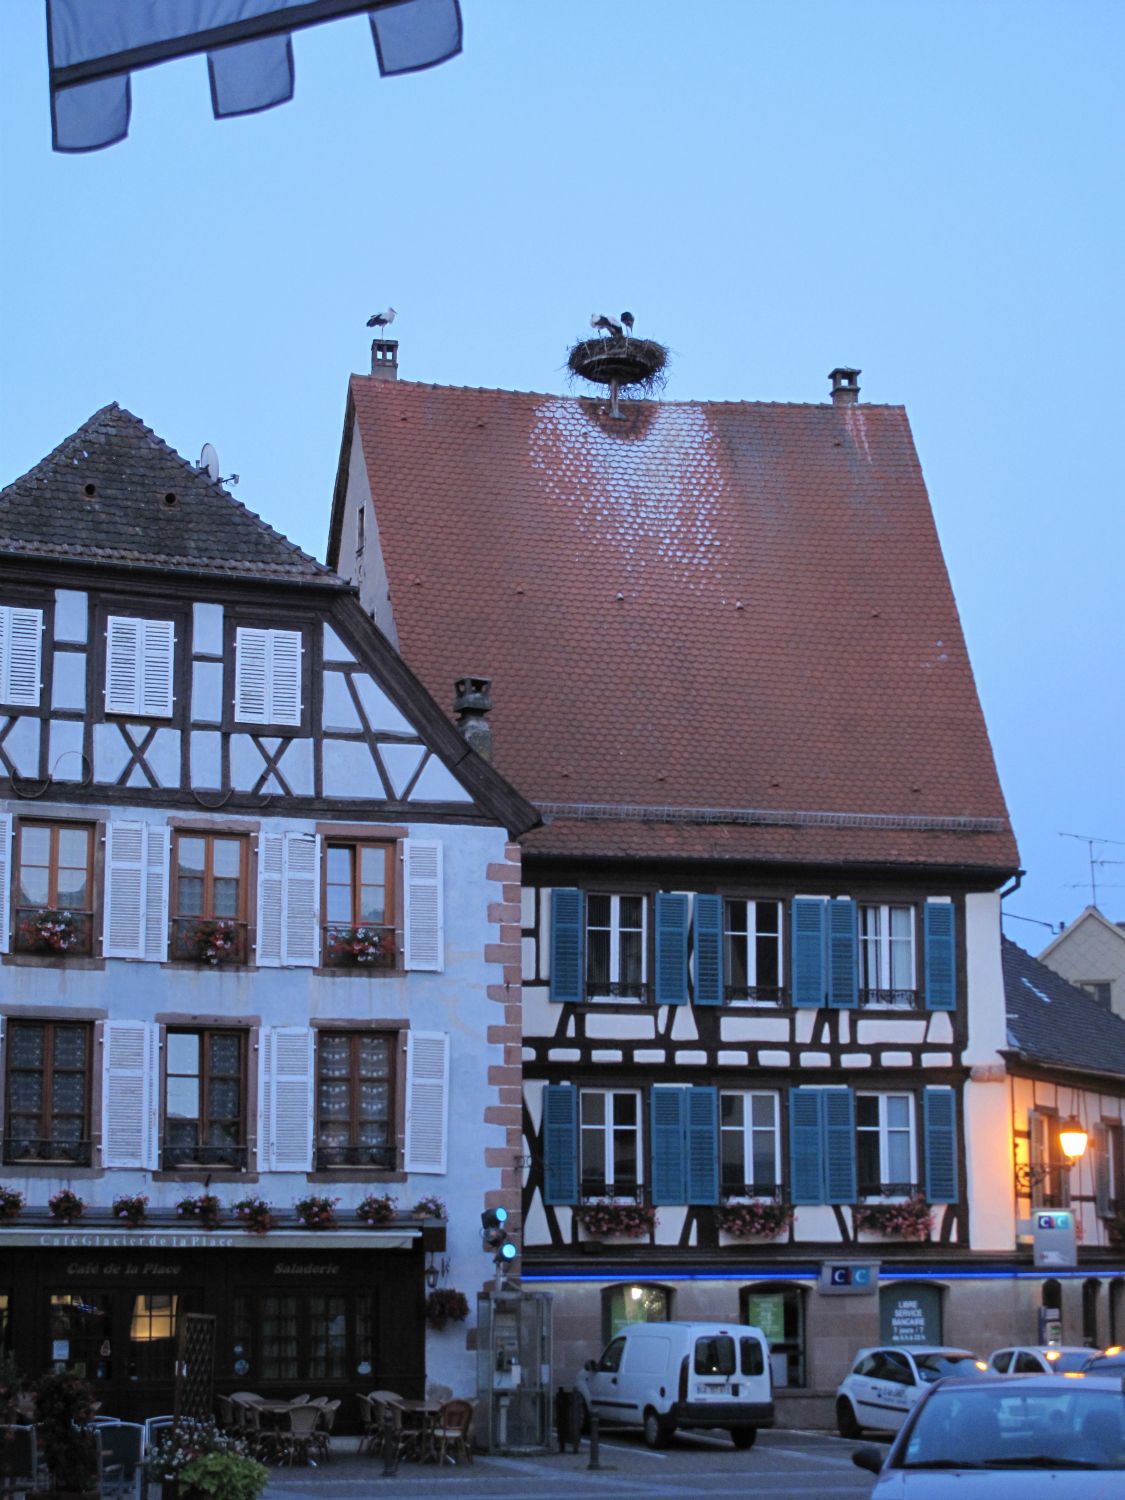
(845, 385)
(384, 359)
(472, 702)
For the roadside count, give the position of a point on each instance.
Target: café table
(423, 1415)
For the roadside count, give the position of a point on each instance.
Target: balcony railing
(368, 946)
(888, 999)
(175, 1158)
(54, 932)
(213, 941)
(22, 1149)
(592, 1188)
(760, 1191)
(624, 989)
(334, 1158)
(764, 994)
(887, 1189)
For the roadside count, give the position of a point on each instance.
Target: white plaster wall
(985, 980)
(989, 1165)
(370, 572)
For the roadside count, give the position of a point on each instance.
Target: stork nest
(636, 366)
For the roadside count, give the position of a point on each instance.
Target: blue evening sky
(930, 191)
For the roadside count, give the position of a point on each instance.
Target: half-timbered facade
(762, 997)
(252, 894)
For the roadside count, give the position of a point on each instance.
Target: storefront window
(81, 1334)
(152, 1336)
(302, 1336)
(910, 1313)
(622, 1305)
(780, 1313)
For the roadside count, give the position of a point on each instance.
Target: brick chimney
(384, 359)
(472, 702)
(845, 385)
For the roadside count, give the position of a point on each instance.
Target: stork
(605, 325)
(628, 320)
(381, 320)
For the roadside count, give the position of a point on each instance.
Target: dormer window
(139, 661)
(267, 686)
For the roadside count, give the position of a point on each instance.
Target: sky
(929, 190)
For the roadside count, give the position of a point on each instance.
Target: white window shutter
(5, 880)
(129, 1086)
(301, 933)
(124, 646)
(251, 675)
(157, 848)
(125, 889)
(427, 1101)
(285, 677)
(157, 661)
(21, 643)
(265, 1087)
(290, 1098)
(423, 907)
(271, 899)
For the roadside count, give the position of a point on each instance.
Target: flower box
(377, 1208)
(66, 1206)
(133, 1209)
(206, 1208)
(316, 1213)
(759, 1219)
(256, 1214)
(11, 1204)
(603, 1219)
(910, 1219)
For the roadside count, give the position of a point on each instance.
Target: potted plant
(604, 1217)
(66, 1206)
(762, 1219)
(11, 1204)
(180, 1446)
(64, 1407)
(215, 940)
(316, 1213)
(50, 930)
(377, 1208)
(446, 1305)
(256, 1214)
(224, 1476)
(361, 945)
(910, 1220)
(133, 1208)
(206, 1208)
(431, 1207)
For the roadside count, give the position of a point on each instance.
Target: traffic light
(494, 1234)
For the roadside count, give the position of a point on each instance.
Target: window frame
(388, 928)
(355, 1035)
(178, 920)
(171, 1157)
(753, 935)
(612, 991)
(83, 1144)
(1050, 1170)
(610, 1188)
(749, 1189)
(884, 1129)
(54, 826)
(885, 996)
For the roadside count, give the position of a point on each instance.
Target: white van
(660, 1376)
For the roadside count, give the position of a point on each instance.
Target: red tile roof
(699, 606)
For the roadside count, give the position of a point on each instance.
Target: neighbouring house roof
(717, 630)
(1090, 916)
(1054, 1023)
(52, 514)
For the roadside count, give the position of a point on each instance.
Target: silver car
(986, 1439)
(1040, 1359)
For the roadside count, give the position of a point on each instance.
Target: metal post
(391, 1452)
(593, 1464)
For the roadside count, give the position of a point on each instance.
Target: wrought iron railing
(370, 945)
(764, 994)
(888, 999)
(762, 1193)
(22, 1148)
(54, 932)
(623, 989)
(212, 941)
(173, 1158)
(887, 1189)
(332, 1158)
(592, 1188)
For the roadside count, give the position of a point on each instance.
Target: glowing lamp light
(636, 1292)
(1052, 1354)
(508, 1251)
(1073, 1137)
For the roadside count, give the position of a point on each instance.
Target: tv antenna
(1090, 840)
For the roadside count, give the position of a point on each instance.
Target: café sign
(137, 1240)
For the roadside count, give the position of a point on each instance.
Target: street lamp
(1073, 1138)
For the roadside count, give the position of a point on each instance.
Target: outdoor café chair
(369, 1425)
(297, 1440)
(18, 1469)
(322, 1437)
(121, 1452)
(452, 1431)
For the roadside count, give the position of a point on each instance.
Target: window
(1115, 1167)
(21, 635)
(1101, 989)
(138, 667)
(54, 889)
(1050, 1170)
(81, 1324)
(615, 946)
(48, 1092)
(359, 906)
(305, 1336)
(267, 674)
(209, 897)
(610, 1142)
(204, 1119)
(886, 955)
(355, 1117)
(884, 1145)
(622, 1305)
(153, 1332)
(748, 1144)
(753, 950)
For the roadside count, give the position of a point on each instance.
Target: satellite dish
(209, 460)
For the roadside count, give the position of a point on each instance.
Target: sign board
(910, 1314)
(766, 1310)
(849, 1278)
(1054, 1241)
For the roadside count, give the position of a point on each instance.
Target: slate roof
(696, 609)
(51, 513)
(1055, 1023)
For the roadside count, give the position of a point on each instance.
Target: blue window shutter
(671, 948)
(941, 956)
(708, 950)
(808, 952)
(806, 1157)
(669, 1141)
(839, 1146)
(560, 1143)
(566, 946)
(703, 1145)
(843, 960)
(939, 1114)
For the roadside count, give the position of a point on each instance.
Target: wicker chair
(298, 1439)
(453, 1431)
(322, 1436)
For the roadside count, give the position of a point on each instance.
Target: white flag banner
(93, 49)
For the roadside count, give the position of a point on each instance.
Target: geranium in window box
(316, 1213)
(1115, 1229)
(133, 1208)
(911, 1219)
(66, 1206)
(206, 1208)
(629, 1220)
(214, 942)
(760, 1219)
(361, 945)
(431, 1207)
(49, 930)
(446, 1305)
(377, 1208)
(11, 1204)
(256, 1214)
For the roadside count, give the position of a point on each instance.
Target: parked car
(884, 1384)
(1039, 1359)
(985, 1438)
(660, 1376)
(1110, 1361)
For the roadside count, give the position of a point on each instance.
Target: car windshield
(1001, 1427)
(1105, 1364)
(1063, 1362)
(945, 1362)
